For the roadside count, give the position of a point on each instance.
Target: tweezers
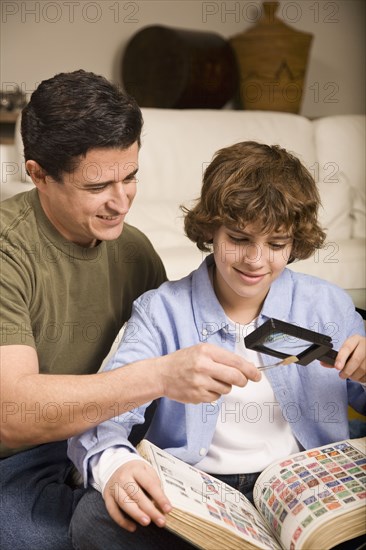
(287, 361)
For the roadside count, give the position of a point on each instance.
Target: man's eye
(130, 179)
(96, 189)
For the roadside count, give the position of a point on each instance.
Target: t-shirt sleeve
(15, 292)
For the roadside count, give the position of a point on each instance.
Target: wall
(41, 38)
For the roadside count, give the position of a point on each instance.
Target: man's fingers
(242, 369)
(235, 376)
(227, 367)
(226, 377)
(196, 374)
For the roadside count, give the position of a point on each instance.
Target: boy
(257, 212)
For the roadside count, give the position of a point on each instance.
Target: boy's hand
(351, 359)
(134, 492)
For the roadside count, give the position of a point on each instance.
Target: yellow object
(354, 415)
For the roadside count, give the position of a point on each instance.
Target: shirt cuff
(103, 465)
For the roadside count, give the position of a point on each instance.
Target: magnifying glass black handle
(329, 357)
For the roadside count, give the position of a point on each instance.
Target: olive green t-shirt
(67, 301)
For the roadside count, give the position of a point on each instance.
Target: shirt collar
(278, 301)
(207, 309)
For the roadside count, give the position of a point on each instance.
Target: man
(70, 270)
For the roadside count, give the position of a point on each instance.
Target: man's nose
(119, 197)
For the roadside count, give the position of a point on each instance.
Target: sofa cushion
(341, 262)
(335, 212)
(340, 145)
(177, 145)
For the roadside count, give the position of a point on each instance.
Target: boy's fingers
(351, 359)
(326, 365)
(140, 508)
(140, 497)
(136, 507)
(151, 485)
(117, 515)
(343, 356)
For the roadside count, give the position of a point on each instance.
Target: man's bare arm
(38, 408)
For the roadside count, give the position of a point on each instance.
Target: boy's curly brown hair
(252, 183)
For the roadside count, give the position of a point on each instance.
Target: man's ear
(37, 174)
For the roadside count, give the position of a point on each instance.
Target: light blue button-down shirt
(182, 313)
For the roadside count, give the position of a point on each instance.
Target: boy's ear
(37, 173)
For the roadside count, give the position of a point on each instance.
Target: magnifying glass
(291, 343)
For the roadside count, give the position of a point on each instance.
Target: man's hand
(133, 494)
(351, 359)
(204, 372)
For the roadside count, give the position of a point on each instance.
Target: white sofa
(177, 145)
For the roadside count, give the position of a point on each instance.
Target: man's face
(90, 204)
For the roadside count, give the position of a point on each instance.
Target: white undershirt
(251, 431)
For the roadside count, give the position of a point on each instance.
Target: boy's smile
(248, 277)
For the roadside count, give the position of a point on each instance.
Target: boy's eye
(238, 239)
(247, 240)
(277, 246)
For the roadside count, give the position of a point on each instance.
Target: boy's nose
(253, 253)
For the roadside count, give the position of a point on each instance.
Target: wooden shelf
(9, 116)
(7, 126)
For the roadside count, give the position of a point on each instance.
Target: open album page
(198, 494)
(300, 493)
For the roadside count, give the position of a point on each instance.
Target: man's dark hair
(72, 113)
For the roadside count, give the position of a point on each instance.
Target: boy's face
(247, 263)
(91, 203)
